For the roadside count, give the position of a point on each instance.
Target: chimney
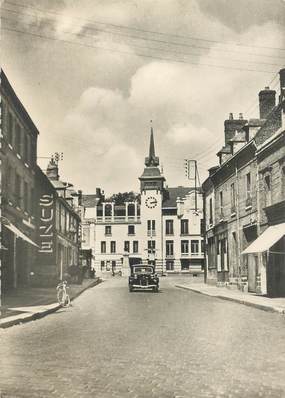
(52, 170)
(232, 125)
(266, 102)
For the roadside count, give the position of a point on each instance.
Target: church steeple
(151, 178)
(151, 160)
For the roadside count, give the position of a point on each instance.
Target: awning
(16, 231)
(266, 240)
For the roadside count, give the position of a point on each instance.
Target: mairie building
(162, 226)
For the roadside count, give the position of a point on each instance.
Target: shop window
(169, 265)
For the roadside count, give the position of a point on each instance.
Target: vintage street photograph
(142, 198)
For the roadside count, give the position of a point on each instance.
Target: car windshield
(142, 270)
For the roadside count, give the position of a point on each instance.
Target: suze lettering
(46, 224)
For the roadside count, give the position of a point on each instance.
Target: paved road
(177, 343)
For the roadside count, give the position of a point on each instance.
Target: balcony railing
(117, 219)
(151, 233)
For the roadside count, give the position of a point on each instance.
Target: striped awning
(267, 239)
(16, 231)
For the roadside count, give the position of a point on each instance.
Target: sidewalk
(28, 304)
(250, 299)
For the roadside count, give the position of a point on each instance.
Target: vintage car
(143, 277)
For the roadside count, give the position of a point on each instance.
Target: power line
(154, 48)
(162, 41)
(136, 54)
(147, 31)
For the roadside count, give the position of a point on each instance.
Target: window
(18, 189)
(102, 265)
(113, 246)
(169, 265)
(127, 246)
(10, 128)
(26, 199)
(151, 246)
(184, 247)
(18, 138)
(169, 227)
(135, 246)
(169, 247)
(233, 198)
(194, 246)
(184, 227)
(108, 210)
(267, 189)
(131, 230)
(248, 185)
(202, 226)
(221, 204)
(103, 247)
(151, 227)
(108, 230)
(211, 211)
(25, 147)
(202, 246)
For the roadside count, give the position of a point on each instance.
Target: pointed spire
(151, 160)
(151, 144)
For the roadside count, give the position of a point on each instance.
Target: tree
(122, 197)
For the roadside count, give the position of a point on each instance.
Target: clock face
(151, 202)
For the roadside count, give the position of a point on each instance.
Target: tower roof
(151, 160)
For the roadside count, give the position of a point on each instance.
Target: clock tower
(152, 187)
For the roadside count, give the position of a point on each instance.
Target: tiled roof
(151, 172)
(173, 194)
(90, 200)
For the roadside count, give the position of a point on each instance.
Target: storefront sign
(46, 224)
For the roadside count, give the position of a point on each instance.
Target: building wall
(18, 158)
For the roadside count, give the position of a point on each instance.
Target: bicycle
(62, 296)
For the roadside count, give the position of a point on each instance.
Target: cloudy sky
(93, 73)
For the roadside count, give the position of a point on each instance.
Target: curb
(237, 300)
(24, 318)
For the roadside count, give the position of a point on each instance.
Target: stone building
(18, 168)
(238, 187)
(59, 226)
(162, 226)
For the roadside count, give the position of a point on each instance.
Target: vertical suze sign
(46, 225)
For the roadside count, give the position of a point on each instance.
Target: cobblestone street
(112, 343)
